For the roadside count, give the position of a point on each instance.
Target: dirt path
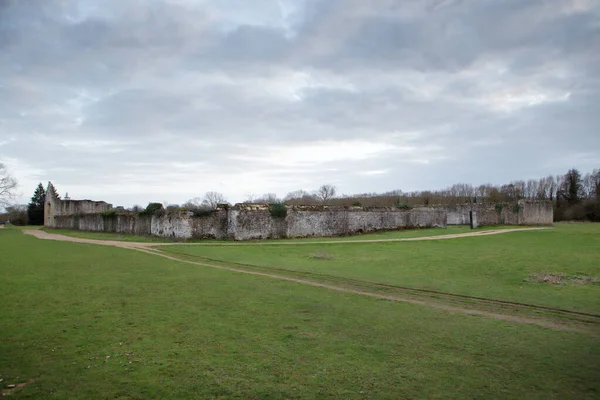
(62, 238)
(415, 239)
(520, 313)
(53, 236)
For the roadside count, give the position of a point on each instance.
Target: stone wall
(255, 221)
(184, 225)
(70, 207)
(55, 207)
(244, 222)
(175, 225)
(536, 213)
(522, 213)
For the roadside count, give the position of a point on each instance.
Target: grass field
(494, 267)
(80, 321)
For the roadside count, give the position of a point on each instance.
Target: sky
(133, 101)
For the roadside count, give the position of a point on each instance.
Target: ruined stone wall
(64, 222)
(244, 223)
(210, 226)
(184, 225)
(256, 222)
(90, 223)
(522, 213)
(173, 225)
(142, 225)
(536, 212)
(70, 207)
(248, 222)
(307, 223)
(55, 207)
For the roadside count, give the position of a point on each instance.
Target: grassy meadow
(497, 267)
(80, 321)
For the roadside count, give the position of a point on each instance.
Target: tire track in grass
(553, 318)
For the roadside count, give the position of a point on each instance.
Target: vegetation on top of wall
(152, 209)
(278, 210)
(109, 213)
(404, 207)
(203, 212)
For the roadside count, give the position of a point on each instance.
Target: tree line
(575, 196)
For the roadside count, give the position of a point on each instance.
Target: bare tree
(483, 191)
(8, 184)
(250, 198)
(596, 182)
(269, 198)
(193, 204)
(326, 193)
(213, 199)
(300, 197)
(17, 214)
(531, 189)
(591, 184)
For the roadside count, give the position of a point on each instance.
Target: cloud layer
(133, 101)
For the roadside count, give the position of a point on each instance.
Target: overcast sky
(132, 101)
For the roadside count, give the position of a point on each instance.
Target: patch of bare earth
(514, 312)
(562, 279)
(11, 389)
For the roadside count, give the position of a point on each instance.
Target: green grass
(492, 266)
(409, 233)
(27, 227)
(179, 331)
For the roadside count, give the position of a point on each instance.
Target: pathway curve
(54, 236)
(520, 313)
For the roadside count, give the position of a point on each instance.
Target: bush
(278, 210)
(592, 210)
(576, 212)
(17, 215)
(356, 204)
(403, 207)
(202, 212)
(109, 213)
(152, 209)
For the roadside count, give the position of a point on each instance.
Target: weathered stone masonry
(54, 206)
(523, 212)
(254, 221)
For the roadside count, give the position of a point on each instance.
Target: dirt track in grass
(547, 317)
(54, 236)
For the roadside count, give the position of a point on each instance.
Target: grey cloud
(182, 95)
